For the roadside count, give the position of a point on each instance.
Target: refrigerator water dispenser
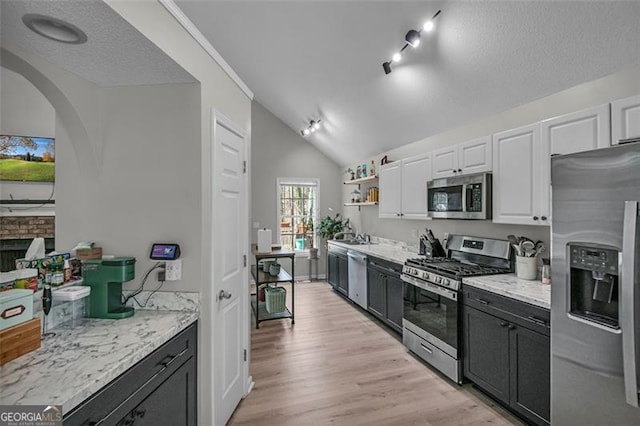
(593, 283)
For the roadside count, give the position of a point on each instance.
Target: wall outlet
(162, 276)
(173, 270)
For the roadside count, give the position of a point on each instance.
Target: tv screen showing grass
(27, 159)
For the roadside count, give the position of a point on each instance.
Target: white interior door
(230, 281)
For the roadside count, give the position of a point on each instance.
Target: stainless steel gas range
(432, 306)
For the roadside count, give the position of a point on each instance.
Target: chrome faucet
(364, 237)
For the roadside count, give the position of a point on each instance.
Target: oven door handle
(452, 295)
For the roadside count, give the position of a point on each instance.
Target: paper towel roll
(264, 240)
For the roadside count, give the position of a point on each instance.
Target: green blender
(105, 277)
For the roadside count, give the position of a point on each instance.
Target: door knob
(224, 295)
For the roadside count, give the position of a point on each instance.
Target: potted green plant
(329, 226)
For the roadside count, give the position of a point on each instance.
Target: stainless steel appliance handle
(357, 256)
(628, 306)
(464, 197)
(452, 295)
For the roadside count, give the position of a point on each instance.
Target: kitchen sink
(353, 242)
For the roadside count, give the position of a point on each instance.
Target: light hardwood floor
(337, 365)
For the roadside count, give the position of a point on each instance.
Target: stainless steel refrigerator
(595, 309)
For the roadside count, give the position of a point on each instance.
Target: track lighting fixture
(312, 127)
(412, 39)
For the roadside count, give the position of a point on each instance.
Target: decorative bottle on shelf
(372, 170)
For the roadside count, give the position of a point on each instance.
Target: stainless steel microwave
(460, 197)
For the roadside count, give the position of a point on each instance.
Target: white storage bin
(75, 299)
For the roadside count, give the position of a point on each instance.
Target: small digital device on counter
(165, 251)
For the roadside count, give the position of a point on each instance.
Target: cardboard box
(93, 253)
(19, 340)
(41, 265)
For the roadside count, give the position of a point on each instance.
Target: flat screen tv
(27, 159)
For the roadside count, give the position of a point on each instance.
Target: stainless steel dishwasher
(358, 277)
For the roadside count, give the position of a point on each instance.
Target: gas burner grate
(453, 267)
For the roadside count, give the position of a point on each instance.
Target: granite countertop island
(78, 361)
(532, 292)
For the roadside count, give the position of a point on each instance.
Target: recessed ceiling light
(396, 57)
(54, 28)
(428, 26)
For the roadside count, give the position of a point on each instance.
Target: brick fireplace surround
(16, 233)
(26, 227)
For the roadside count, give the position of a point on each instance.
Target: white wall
(24, 111)
(109, 194)
(604, 90)
(278, 151)
(147, 188)
(219, 92)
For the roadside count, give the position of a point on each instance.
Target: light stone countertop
(533, 292)
(78, 361)
(390, 252)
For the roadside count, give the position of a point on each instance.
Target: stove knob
(438, 279)
(445, 282)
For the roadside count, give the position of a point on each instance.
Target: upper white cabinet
(390, 181)
(464, 158)
(625, 119)
(522, 162)
(403, 188)
(518, 195)
(579, 131)
(416, 171)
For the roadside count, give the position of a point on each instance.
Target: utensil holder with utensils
(527, 267)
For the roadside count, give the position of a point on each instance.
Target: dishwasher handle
(357, 256)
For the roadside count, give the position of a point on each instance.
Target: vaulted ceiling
(323, 59)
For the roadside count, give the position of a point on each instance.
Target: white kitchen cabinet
(445, 162)
(518, 181)
(625, 119)
(462, 159)
(475, 156)
(416, 171)
(403, 188)
(390, 180)
(579, 131)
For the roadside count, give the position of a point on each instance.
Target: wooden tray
(19, 340)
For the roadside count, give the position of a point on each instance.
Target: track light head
(387, 67)
(413, 38)
(312, 127)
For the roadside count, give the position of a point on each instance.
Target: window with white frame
(297, 212)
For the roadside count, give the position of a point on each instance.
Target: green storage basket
(276, 299)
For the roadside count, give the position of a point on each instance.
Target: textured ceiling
(322, 59)
(116, 54)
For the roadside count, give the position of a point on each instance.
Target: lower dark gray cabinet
(338, 269)
(343, 275)
(506, 352)
(160, 389)
(385, 292)
(395, 302)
